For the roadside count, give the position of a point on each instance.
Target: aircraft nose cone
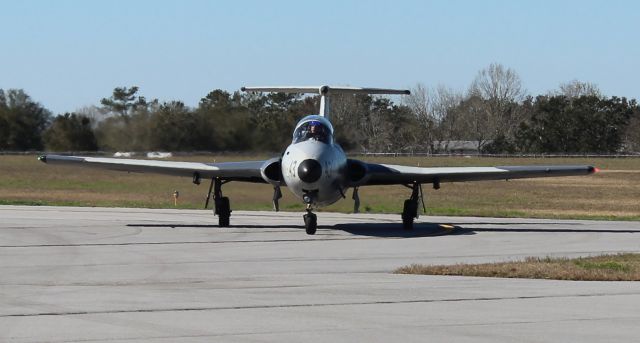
(309, 171)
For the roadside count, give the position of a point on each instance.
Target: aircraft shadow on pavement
(390, 230)
(395, 230)
(439, 229)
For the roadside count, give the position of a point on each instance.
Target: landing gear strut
(222, 206)
(356, 200)
(310, 221)
(410, 209)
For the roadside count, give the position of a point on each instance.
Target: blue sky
(69, 54)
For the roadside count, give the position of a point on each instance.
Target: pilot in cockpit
(312, 130)
(317, 132)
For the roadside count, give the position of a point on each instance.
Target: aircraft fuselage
(314, 169)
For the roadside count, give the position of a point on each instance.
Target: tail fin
(325, 92)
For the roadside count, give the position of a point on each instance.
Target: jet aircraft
(316, 169)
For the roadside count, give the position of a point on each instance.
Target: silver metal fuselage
(331, 184)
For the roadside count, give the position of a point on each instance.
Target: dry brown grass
(621, 267)
(611, 194)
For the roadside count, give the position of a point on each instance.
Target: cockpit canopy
(313, 127)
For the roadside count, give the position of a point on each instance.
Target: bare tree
(502, 90)
(444, 110)
(499, 84)
(349, 113)
(477, 124)
(373, 127)
(94, 113)
(576, 89)
(420, 103)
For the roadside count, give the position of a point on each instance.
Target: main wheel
(310, 223)
(409, 212)
(407, 223)
(223, 221)
(224, 212)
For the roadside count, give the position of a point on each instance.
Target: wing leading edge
(388, 174)
(249, 171)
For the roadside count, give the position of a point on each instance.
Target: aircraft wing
(249, 171)
(388, 174)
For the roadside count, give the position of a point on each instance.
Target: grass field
(620, 267)
(614, 193)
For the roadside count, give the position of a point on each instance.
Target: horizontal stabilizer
(326, 90)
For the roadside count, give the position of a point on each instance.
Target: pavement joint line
(319, 330)
(192, 242)
(356, 303)
(303, 239)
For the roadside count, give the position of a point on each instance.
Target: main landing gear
(222, 206)
(410, 209)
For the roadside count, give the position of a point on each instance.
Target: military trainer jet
(316, 169)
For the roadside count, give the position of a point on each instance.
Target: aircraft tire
(310, 223)
(409, 213)
(224, 212)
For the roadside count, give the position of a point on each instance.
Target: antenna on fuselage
(325, 93)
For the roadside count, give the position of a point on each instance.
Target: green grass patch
(620, 267)
(608, 265)
(609, 195)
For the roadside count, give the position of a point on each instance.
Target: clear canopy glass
(313, 129)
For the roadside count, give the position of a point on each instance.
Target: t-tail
(325, 93)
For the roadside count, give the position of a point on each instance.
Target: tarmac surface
(116, 275)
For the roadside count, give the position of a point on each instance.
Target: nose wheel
(310, 222)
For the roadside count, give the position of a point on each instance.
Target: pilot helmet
(315, 123)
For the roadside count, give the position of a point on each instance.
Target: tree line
(495, 112)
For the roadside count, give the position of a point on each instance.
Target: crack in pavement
(184, 242)
(357, 303)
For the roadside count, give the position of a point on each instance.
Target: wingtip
(42, 158)
(594, 170)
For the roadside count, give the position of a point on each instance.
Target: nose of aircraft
(309, 171)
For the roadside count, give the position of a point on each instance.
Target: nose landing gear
(310, 221)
